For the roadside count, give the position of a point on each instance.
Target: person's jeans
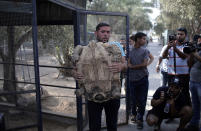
(95, 112)
(195, 88)
(164, 78)
(139, 90)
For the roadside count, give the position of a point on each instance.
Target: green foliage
(58, 40)
(159, 28)
(139, 19)
(186, 13)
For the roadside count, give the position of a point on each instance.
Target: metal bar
(17, 92)
(92, 12)
(127, 73)
(41, 84)
(76, 17)
(5, 106)
(22, 127)
(64, 4)
(36, 66)
(10, 7)
(85, 29)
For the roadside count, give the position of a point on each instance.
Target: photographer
(169, 102)
(194, 62)
(177, 61)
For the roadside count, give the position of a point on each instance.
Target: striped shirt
(181, 64)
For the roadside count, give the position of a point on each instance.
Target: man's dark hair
(123, 38)
(132, 37)
(101, 25)
(196, 37)
(139, 35)
(175, 81)
(182, 29)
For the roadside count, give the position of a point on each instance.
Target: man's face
(174, 89)
(181, 36)
(199, 41)
(142, 40)
(131, 42)
(103, 34)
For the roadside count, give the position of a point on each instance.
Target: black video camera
(172, 37)
(191, 47)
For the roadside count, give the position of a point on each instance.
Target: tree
(13, 38)
(139, 19)
(159, 28)
(184, 13)
(58, 40)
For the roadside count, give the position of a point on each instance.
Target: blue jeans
(139, 91)
(164, 78)
(195, 88)
(95, 112)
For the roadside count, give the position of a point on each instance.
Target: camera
(172, 37)
(168, 95)
(191, 47)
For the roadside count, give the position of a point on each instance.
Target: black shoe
(180, 129)
(133, 119)
(191, 128)
(156, 128)
(170, 120)
(140, 125)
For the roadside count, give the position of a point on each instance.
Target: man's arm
(192, 57)
(123, 63)
(173, 110)
(139, 66)
(158, 64)
(155, 102)
(151, 59)
(76, 74)
(197, 56)
(180, 54)
(118, 67)
(166, 53)
(190, 60)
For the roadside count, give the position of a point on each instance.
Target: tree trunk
(9, 82)
(9, 68)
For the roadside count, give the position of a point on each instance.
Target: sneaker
(140, 125)
(156, 128)
(191, 128)
(170, 120)
(133, 119)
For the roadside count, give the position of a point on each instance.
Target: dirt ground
(54, 100)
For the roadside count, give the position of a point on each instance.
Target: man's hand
(157, 68)
(116, 67)
(171, 101)
(171, 44)
(77, 75)
(130, 65)
(155, 102)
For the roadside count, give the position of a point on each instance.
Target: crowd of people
(171, 100)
